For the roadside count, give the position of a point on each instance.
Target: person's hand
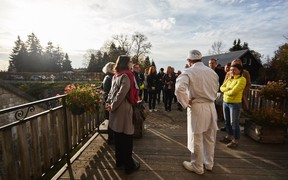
(190, 102)
(108, 107)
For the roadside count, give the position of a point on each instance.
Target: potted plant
(269, 123)
(82, 98)
(267, 126)
(274, 90)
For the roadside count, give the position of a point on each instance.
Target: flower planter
(77, 111)
(264, 134)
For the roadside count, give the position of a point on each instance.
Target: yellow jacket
(233, 89)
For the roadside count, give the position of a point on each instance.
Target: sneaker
(155, 110)
(232, 145)
(225, 140)
(189, 166)
(150, 110)
(208, 168)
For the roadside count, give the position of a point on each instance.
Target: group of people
(196, 90)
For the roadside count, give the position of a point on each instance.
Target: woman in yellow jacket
(233, 89)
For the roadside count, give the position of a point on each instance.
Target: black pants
(152, 99)
(169, 95)
(123, 150)
(159, 95)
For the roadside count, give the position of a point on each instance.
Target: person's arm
(121, 93)
(181, 90)
(239, 87)
(246, 75)
(224, 87)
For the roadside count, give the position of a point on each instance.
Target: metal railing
(33, 143)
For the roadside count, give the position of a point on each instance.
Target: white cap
(194, 55)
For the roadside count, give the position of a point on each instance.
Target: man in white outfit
(196, 90)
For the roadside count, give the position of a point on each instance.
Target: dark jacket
(152, 82)
(169, 81)
(106, 85)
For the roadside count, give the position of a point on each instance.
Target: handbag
(139, 113)
(219, 99)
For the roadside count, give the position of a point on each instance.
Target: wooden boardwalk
(162, 150)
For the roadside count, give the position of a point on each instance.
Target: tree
(217, 48)
(92, 63)
(96, 63)
(35, 54)
(66, 66)
(123, 42)
(237, 46)
(146, 63)
(29, 57)
(279, 63)
(18, 57)
(87, 56)
(52, 58)
(141, 46)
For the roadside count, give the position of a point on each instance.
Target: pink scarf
(133, 96)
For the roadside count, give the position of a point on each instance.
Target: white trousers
(204, 146)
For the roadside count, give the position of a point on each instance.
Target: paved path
(162, 150)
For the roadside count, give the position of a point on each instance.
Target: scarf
(133, 93)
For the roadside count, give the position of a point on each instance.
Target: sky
(172, 26)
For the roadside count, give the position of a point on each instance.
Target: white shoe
(150, 110)
(155, 110)
(208, 168)
(189, 166)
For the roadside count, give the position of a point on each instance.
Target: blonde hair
(108, 67)
(237, 61)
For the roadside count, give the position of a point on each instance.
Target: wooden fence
(32, 145)
(256, 102)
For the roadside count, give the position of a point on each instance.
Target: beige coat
(120, 117)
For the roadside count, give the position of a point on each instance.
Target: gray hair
(108, 67)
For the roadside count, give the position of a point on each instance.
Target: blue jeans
(231, 113)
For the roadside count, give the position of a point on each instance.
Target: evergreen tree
(66, 66)
(57, 59)
(34, 62)
(237, 46)
(114, 52)
(92, 63)
(147, 63)
(18, 57)
(105, 58)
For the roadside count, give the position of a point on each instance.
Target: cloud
(172, 26)
(162, 24)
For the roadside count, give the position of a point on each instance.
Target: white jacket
(200, 83)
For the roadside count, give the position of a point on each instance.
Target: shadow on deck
(162, 150)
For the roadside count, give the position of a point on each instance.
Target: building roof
(225, 58)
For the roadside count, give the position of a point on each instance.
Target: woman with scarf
(122, 95)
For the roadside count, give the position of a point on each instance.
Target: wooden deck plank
(162, 150)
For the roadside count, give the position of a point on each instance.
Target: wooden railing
(256, 102)
(32, 144)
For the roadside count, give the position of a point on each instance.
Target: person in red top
(122, 96)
